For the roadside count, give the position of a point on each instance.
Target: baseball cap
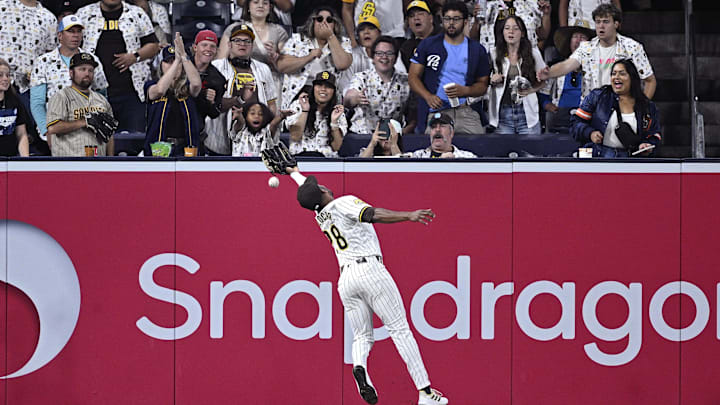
(82, 58)
(368, 19)
(309, 194)
(418, 4)
(441, 118)
(168, 53)
(243, 29)
(68, 21)
(324, 76)
(206, 35)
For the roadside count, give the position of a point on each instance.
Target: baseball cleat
(367, 392)
(435, 397)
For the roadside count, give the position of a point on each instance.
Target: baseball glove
(102, 124)
(278, 158)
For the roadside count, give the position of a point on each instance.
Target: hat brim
(562, 36)
(328, 81)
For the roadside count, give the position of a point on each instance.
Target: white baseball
(273, 182)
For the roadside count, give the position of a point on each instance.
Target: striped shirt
(350, 237)
(70, 105)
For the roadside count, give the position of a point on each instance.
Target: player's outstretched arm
(385, 216)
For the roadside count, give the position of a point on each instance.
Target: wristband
(334, 125)
(305, 110)
(137, 57)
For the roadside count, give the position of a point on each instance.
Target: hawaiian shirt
(528, 10)
(386, 99)
(427, 153)
(300, 46)
(52, 71)
(580, 12)
(25, 33)
(134, 24)
(588, 54)
(245, 143)
(314, 139)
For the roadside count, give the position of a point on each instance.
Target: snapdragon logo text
(491, 292)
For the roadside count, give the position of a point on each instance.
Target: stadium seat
(191, 10)
(190, 29)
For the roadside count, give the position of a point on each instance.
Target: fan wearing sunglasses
(566, 91)
(318, 46)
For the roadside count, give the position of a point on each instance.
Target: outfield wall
(152, 282)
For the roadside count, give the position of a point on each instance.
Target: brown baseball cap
(243, 29)
(82, 58)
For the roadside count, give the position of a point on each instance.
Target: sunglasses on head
(330, 19)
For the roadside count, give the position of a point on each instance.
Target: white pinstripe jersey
(350, 237)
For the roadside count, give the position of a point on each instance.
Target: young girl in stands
(513, 106)
(254, 129)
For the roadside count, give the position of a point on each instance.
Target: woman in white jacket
(513, 104)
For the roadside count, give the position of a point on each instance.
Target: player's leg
(359, 315)
(388, 305)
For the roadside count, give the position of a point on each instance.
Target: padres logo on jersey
(79, 113)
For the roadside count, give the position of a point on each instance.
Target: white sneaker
(434, 398)
(364, 385)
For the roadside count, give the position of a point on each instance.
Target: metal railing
(696, 118)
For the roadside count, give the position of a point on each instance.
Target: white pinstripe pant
(365, 288)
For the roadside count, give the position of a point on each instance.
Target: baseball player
(78, 116)
(365, 286)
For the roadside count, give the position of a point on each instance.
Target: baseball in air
(273, 182)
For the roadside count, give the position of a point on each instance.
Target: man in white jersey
(365, 286)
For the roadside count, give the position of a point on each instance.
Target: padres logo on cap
(85, 56)
(325, 75)
(171, 49)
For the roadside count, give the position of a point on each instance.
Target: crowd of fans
(319, 69)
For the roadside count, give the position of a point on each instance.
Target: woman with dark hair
(171, 110)
(618, 118)
(318, 46)
(318, 124)
(513, 106)
(13, 116)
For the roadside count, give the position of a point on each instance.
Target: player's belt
(364, 259)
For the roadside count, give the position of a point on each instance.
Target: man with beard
(247, 79)
(448, 67)
(209, 101)
(68, 133)
(51, 74)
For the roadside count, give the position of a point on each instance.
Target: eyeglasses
(381, 53)
(447, 20)
(330, 19)
(240, 41)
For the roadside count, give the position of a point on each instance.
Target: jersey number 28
(336, 237)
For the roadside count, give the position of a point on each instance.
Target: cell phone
(384, 127)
